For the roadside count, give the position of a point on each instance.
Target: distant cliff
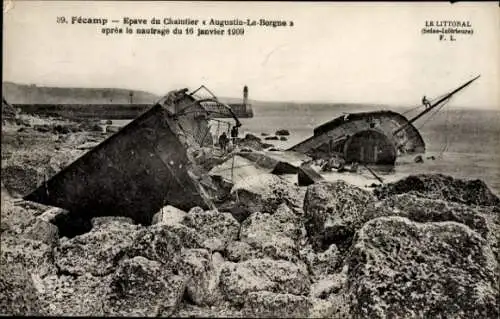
(32, 94)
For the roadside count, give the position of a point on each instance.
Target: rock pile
(330, 249)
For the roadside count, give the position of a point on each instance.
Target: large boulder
(423, 209)
(35, 256)
(321, 264)
(98, 251)
(21, 179)
(84, 295)
(334, 211)
(279, 276)
(18, 218)
(169, 215)
(157, 243)
(142, 287)
(203, 275)
(42, 231)
(400, 268)
(189, 237)
(329, 285)
(217, 228)
(102, 220)
(223, 309)
(485, 220)
(265, 304)
(18, 296)
(438, 186)
(63, 157)
(276, 236)
(335, 306)
(265, 192)
(53, 214)
(237, 251)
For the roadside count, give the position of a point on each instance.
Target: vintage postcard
(250, 159)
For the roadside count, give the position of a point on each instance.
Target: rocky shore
(424, 246)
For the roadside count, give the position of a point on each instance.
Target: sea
(465, 142)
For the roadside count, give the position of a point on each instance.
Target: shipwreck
(160, 157)
(147, 164)
(370, 137)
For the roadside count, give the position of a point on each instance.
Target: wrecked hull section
(133, 173)
(364, 138)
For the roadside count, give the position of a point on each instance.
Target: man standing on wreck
(426, 102)
(223, 140)
(234, 134)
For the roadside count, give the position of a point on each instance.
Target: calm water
(466, 142)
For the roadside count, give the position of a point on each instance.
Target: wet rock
(42, 128)
(321, 264)
(429, 210)
(35, 256)
(4, 227)
(62, 129)
(418, 159)
(492, 218)
(438, 186)
(98, 251)
(84, 295)
(112, 220)
(18, 296)
(265, 304)
(90, 126)
(400, 268)
(157, 243)
(234, 208)
(63, 158)
(282, 132)
(112, 128)
(237, 251)
(335, 306)
(220, 310)
(52, 214)
(253, 142)
(329, 285)
(141, 287)
(203, 277)
(271, 138)
(307, 176)
(334, 211)
(18, 218)
(169, 215)
(189, 237)
(87, 146)
(42, 231)
(264, 193)
(251, 137)
(239, 279)
(215, 227)
(276, 236)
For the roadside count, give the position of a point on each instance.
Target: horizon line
(297, 101)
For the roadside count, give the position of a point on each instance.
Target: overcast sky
(367, 53)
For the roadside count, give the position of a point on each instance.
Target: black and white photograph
(250, 159)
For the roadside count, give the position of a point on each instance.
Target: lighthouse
(245, 95)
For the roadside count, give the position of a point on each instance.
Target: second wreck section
(367, 137)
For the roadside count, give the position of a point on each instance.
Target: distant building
(245, 95)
